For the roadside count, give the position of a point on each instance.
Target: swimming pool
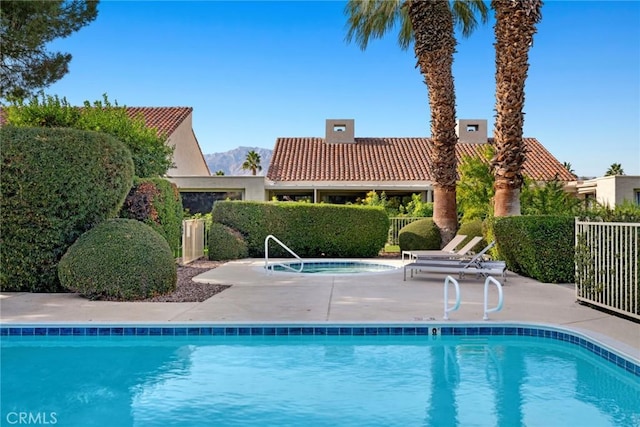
(331, 267)
(314, 375)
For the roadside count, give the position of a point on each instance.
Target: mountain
(230, 162)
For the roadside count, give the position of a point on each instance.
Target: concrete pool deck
(256, 297)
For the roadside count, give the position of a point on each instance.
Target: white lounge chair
(475, 265)
(443, 253)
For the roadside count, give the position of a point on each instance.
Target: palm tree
(430, 25)
(252, 162)
(568, 167)
(614, 169)
(220, 172)
(514, 29)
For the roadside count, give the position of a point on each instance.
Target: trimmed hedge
(422, 234)
(540, 247)
(55, 185)
(226, 243)
(157, 203)
(120, 259)
(310, 230)
(472, 229)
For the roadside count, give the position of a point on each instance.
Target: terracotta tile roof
(165, 119)
(385, 159)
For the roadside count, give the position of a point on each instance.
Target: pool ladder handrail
(456, 306)
(266, 255)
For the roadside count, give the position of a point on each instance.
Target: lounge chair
(475, 265)
(443, 253)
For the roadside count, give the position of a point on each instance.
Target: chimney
(340, 131)
(472, 131)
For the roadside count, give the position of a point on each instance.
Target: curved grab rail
(486, 297)
(266, 255)
(456, 306)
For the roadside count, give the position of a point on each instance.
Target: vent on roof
(472, 131)
(340, 131)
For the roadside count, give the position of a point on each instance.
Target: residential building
(611, 190)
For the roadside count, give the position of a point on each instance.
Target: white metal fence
(193, 240)
(397, 222)
(607, 273)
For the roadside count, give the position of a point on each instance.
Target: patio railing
(193, 239)
(396, 223)
(607, 273)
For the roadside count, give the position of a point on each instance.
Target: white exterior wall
(187, 156)
(611, 190)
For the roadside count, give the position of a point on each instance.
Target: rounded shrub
(422, 234)
(472, 229)
(120, 259)
(55, 184)
(226, 243)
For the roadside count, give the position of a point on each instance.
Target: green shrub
(310, 230)
(472, 229)
(55, 185)
(419, 235)
(540, 247)
(225, 243)
(121, 259)
(156, 202)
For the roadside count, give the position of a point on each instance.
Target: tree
(151, 156)
(430, 26)
(25, 28)
(475, 186)
(614, 169)
(252, 162)
(220, 172)
(548, 198)
(568, 167)
(514, 29)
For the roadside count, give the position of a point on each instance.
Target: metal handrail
(446, 296)
(266, 255)
(486, 297)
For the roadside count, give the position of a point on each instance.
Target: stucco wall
(187, 155)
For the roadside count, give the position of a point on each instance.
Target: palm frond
(464, 14)
(371, 19)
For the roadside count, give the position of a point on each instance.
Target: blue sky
(254, 71)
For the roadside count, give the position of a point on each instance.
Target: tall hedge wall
(157, 203)
(540, 247)
(55, 185)
(310, 230)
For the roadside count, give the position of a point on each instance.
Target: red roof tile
(165, 119)
(385, 159)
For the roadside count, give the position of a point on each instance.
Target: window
(636, 196)
(339, 128)
(473, 128)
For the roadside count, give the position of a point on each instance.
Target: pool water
(313, 381)
(332, 267)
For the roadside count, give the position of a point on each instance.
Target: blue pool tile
(155, 331)
(510, 331)
(459, 331)
(408, 331)
(357, 331)
(104, 331)
(142, 331)
(217, 331)
(295, 331)
(193, 331)
(269, 331)
(485, 331)
(244, 331)
(4, 332)
(307, 331)
(117, 331)
(395, 331)
(206, 331)
(345, 331)
(168, 331)
(320, 331)
(15, 331)
(333, 331)
(446, 331)
(66, 332)
(420, 330)
(282, 331)
(28, 332)
(231, 331)
(53, 331)
(383, 331)
(180, 331)
(371, 331)
(129, 332)
(473, 331)
(78, 331)
(40, 331)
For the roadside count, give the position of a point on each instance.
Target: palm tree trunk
(514, 30)
(435, 44)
